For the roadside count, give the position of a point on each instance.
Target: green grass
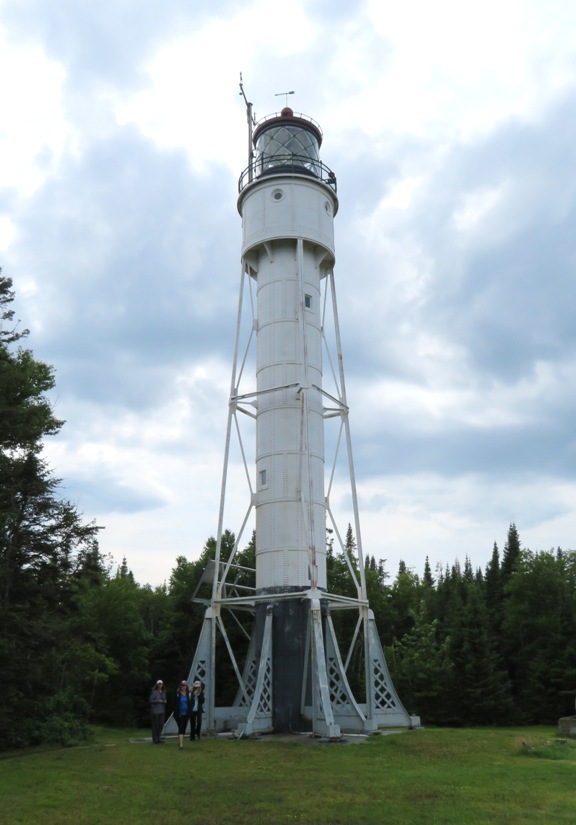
(433, 777)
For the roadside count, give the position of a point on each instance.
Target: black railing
(286, 163)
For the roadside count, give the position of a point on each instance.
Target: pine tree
(350, 544)
(483, 688)
(512, 553)
(40, 539)
(493, 593)
(428, 578)
(421, 669)
(539, 629)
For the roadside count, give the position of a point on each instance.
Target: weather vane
(279, 94)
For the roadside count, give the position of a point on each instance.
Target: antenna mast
(251, 121)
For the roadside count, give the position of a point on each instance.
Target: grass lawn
(486, 776)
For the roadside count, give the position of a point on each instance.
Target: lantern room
(286, 143)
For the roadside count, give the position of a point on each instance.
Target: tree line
(81, 641)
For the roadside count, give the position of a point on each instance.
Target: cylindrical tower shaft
(288, 247)
(290, 510)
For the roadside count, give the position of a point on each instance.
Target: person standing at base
(157, 710)
(196, 710)
(182, 706)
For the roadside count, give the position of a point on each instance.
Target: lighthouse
(292, 674)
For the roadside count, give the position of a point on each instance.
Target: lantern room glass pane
(287, 146)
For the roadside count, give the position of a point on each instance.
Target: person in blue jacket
(182, 709)
(196, 710)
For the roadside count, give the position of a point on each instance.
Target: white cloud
(437, 510)
(34, 131)
(475, 206)
(7, 232)
(459, 68)
(449, 127)
(192, 97)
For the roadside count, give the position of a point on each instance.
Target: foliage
(422, 668)
(65, 721)
(41, 539)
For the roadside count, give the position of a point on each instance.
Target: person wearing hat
(182, 708)
(157, 710)
(196, 710)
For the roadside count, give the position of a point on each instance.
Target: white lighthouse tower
(293, 675)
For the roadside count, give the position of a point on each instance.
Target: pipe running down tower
(292, 675)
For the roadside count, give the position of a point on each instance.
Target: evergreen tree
(111, 618)
(380, 600)
(350, 543)
(482, 689)
(405, 598)
(428, 579)
(512, 552)
(494, 596)
(539, 630)
(41, 539)
(421, 669)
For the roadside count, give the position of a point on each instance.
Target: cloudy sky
(451, 127)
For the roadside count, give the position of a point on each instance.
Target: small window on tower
(262, 478)
(308, 301)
